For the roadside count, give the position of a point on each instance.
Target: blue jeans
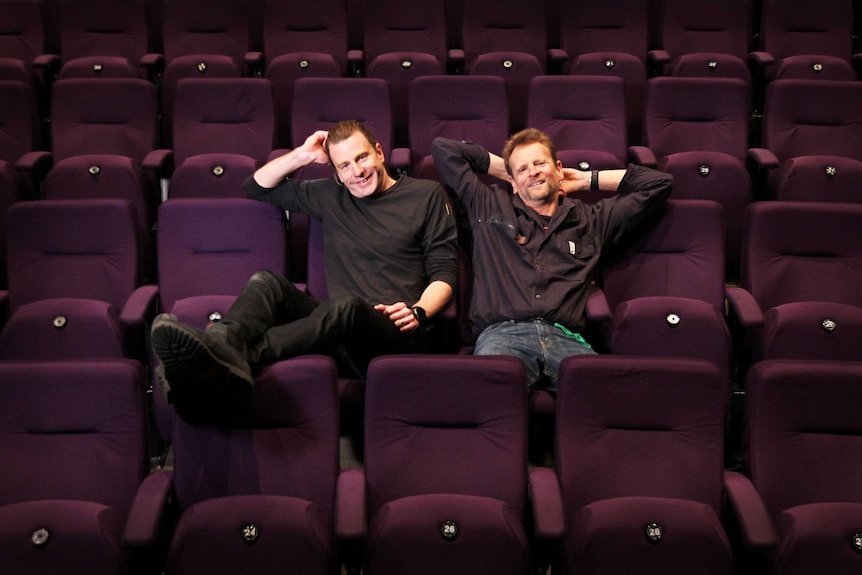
(540, 345)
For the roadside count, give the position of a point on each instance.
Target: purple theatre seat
(585, 116)
(708, 39)
(473, 108)
(662, 292)
(73, 436)
(402, 41)
(697, 130)
(207, 251)
(609, 39)
(445, 466)
(804, 440)
(811, 141)
(509, 41)
(639, 469)
(201, 39)
(804, 39)
(259, 496)
(102, 38)
(302, 39)
(74, 282)
(799, 294)
(223, 115)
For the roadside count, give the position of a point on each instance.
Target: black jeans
(276, 320)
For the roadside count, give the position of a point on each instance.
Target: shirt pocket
(578, 248)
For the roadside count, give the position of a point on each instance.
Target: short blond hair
(524, 138)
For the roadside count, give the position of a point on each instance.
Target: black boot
(203, 373)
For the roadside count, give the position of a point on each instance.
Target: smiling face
(536, 176)
(359, 165)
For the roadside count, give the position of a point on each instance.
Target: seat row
(105, 135)
(630, 39)
(637, 481)
(75, 287)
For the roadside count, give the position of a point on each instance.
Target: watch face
(419, 314)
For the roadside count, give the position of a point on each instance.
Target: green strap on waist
(573, 335)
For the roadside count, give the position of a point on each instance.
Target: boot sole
(191, 368)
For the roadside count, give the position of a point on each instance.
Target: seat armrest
(159, 162)
(761, 59)
(547, 501)
(753, 519)
(355, 62)
(658, 57)
(148, 508)
(744, 308)
(763, 158)
(254, 62)
(350, 505)
(154, 63)
(598, 310)
(140, 306)
(399, 160)
(456, 58)
(557, 58)
(642, 155)
(47, 62)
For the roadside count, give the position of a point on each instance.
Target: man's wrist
(594, 180)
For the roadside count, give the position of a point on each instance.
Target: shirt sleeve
(640, 192)
(458, 164)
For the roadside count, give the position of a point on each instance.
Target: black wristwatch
(419, 314)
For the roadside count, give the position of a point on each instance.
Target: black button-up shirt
(523, 271)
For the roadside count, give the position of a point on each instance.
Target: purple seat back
(445, 424)
(585, 116)
(227, 115)
(804, 419)
(517, 26)
(793, 127)
(473, 108)
(75, 430)
(678, 253)
(318, 27)
(201, 28)
(640, 426)
(106, 176)
(717, 26)
(818, 178)
(103, 38)
(72, 249)
(104, 116)
(702, 114)
(213, 175)
(286, 443)
(805, 27)
(781, 265)
(213, 246)
(320, 103)
(301, 40)
(22, 23)
(610, 27)
(18, 117)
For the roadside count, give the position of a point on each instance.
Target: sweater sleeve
(299, 195)
(440, 242)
